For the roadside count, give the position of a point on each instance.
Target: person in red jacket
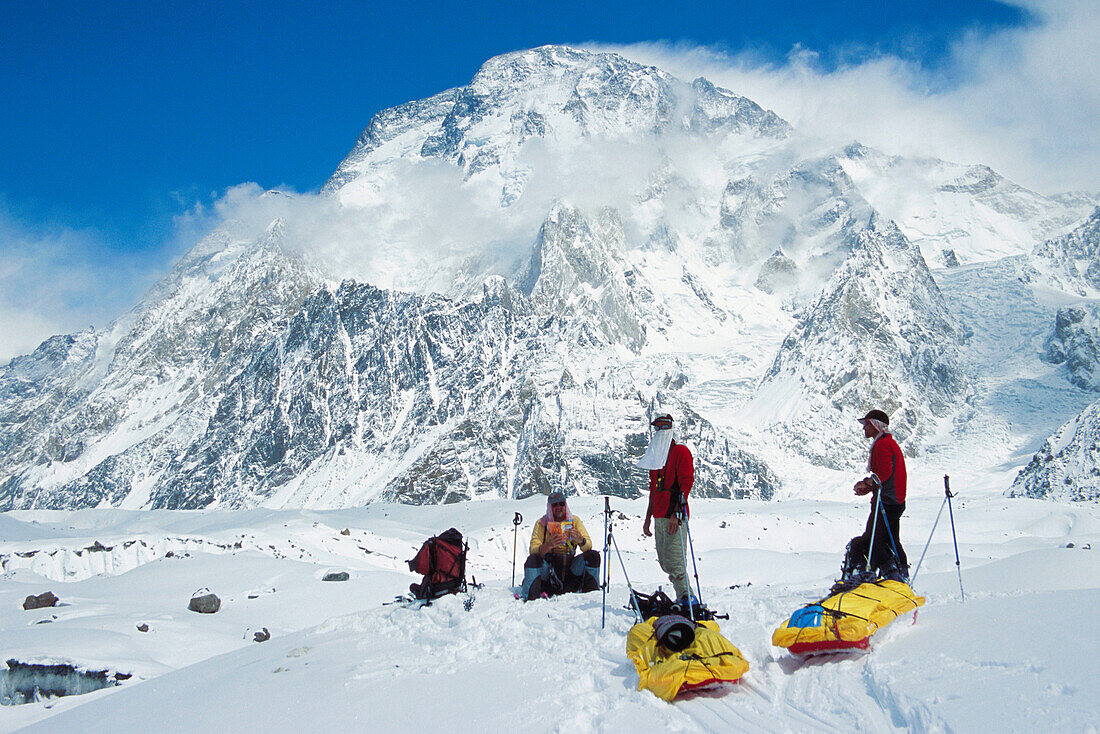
(671, 476)
(886, 480)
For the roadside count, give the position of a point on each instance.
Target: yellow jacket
(567, 546)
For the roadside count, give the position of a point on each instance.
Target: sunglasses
(558, 504)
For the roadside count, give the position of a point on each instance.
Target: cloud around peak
(1023, 100)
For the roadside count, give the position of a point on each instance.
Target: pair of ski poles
(946, 501)
(609, 543)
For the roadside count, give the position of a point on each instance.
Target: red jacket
(888, 464)
(678, 474)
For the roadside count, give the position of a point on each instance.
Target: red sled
(709, 688)
(805, 649)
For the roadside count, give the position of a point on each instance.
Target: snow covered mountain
(1067, 467)
(878, 334)
(1073, 261)
(542, 259)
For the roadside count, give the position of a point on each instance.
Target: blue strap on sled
(807, 617)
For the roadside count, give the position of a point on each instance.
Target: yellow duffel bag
(710, 659)
(846, 620)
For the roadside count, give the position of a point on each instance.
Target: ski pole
(694, 564)
(874, 526)
(604, 570)
(937, 522)
(890, 535)
(515, 535)
(954, 540)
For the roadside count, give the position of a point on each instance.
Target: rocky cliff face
(360, 393)
(1073, 260)
(1067, 465)
(1075, 342)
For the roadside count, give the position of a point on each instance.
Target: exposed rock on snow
(45, 599)
(1075, 342)
(207, 603)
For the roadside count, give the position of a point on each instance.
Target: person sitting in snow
(554, 567)
(671, 477)
(886, 480)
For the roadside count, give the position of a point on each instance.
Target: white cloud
(1024, 101)
(419, 225)
(56, 280)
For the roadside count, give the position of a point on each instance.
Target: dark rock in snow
(336, 576)
(204, 603)
(45, 599)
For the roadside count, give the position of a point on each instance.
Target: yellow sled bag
(845, 620)
(710, 659)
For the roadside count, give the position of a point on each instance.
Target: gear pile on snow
(442, 561)
(658, 604)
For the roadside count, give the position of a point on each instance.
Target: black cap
(662, 422)
(556, 497)
(875, 415)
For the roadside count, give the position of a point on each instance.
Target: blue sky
(118, 114)
(117, 118)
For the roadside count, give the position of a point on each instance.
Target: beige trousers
(670, 554)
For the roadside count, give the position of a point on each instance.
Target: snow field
(1019, 654)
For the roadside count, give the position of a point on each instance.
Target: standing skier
(885, 482)
(671, 475)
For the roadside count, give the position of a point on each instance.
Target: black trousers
(556, 574)
(882, 555)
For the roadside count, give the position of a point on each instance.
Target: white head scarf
(549, 516)
(879, 426)
(656, 455)
(883, 430)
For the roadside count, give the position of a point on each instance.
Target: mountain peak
(553, 93)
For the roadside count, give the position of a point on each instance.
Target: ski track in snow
(339, 657)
